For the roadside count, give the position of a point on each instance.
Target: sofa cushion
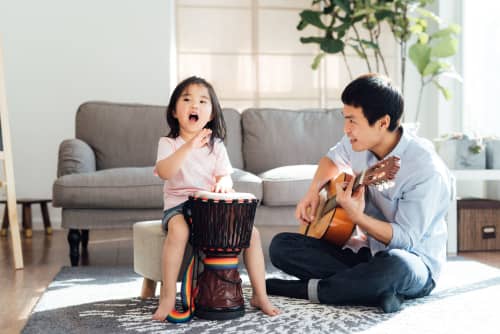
(121, 135)
(286, 185)
(246, 182)
(275, 138)
(116, 188)
(234, 137)
(126, 134)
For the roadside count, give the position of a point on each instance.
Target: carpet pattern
(102, 300)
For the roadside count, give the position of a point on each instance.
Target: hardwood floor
(43, 258)
(45, 255)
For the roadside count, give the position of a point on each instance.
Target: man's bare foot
(264, 304)
(165, 307)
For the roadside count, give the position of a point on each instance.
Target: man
(398, 248)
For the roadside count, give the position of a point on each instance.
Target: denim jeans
(347, 277)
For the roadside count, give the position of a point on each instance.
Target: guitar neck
(331, 202)
(357, 181)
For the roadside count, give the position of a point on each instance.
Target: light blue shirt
(415, 206)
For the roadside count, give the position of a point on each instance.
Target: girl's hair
(217, 124)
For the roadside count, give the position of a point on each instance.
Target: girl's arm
(168, 167)
(223, 184)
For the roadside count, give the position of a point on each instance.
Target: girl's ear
(174, 114)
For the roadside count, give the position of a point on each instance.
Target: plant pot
(493, 154)
(461, 153)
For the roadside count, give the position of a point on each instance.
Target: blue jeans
(347, 277)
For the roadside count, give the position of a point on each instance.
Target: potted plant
(343, 21)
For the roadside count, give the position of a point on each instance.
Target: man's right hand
(306, 209)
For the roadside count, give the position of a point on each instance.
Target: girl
(193, 157)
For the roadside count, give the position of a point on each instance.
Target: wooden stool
(26, 203)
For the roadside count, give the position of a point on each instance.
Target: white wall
(60, 53)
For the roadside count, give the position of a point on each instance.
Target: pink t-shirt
(198, 171)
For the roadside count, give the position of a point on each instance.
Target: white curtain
(481, 67)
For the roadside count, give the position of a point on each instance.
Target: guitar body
(334, 226)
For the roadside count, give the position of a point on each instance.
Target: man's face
(362, 135)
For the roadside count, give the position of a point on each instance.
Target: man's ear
(384, 122)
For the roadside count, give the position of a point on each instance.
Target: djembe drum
(221, 228)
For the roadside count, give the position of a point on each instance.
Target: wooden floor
(45, 255)
(43, 258)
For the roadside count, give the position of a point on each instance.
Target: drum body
(222, 223)
(221, 228)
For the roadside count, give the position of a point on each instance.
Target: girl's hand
(223, 185)
(353, 204)
(201, 139)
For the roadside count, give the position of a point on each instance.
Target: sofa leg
(74, 246)
(85, 239)
(148, 288)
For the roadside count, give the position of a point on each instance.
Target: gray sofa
(105, 174)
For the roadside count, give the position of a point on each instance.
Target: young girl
(191, 158)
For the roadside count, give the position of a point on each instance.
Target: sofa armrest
(75, 156)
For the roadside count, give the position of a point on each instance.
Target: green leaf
(420, 55)
(302, 24)
(330, 45)
(344, 4)
(453, 29)
(306, 40)
(317, 60)
(358, 50)
(312, 17)
(423, 38)
(445, 47)
(370, 44)
(416, 29)
(446, 93)
(382, 14)
(432, 68)
(428, 14)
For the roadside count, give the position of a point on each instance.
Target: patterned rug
(103, 300)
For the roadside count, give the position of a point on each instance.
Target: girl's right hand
(201, 139)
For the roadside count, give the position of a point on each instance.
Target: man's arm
(306, 208)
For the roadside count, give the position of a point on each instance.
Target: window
(250, 51)
(481, 68)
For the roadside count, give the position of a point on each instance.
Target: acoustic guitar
(331, 222)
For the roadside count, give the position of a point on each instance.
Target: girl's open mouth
(193, 117)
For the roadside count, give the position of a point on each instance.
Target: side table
(27, 218)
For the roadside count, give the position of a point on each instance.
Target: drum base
(220, 314)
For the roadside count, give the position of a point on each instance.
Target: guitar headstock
(382, 174)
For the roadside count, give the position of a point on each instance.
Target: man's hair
(376, 97)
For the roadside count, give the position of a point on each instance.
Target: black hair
(217, 124)
(376, 97)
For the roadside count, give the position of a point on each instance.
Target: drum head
(223, 196)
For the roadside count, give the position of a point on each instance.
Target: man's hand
(306, 209)
(353, 204)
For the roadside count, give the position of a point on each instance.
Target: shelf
(476, 174)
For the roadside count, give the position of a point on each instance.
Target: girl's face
(193, 110)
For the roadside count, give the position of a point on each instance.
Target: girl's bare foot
(165, 307)
(264, 304)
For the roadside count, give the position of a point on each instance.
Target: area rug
(104, 300)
